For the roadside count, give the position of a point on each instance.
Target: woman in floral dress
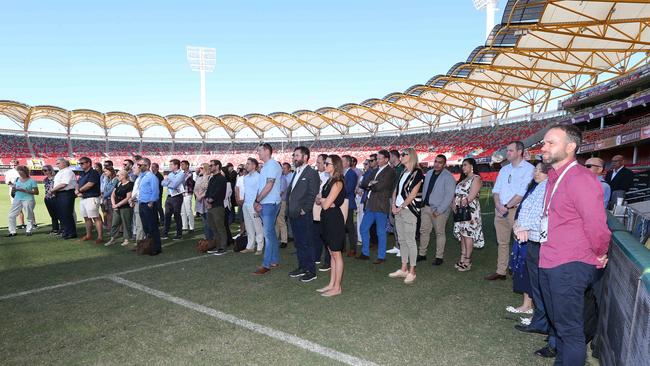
(470, 233)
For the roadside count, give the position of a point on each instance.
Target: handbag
(144, 247)
(462, 214)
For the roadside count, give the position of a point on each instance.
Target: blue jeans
(207, 232)
(271, 247)
(563, 290)
(380, 219)
(303, 226)
(149, 218)
(540, 318)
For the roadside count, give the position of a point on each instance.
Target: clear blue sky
(271, 55)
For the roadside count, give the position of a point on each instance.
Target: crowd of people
(554, 210)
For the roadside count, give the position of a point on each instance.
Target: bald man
(619, 178)
(597, 165)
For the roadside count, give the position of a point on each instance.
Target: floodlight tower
(202, 59)
(490, 7)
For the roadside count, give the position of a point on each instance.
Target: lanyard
(547, 204)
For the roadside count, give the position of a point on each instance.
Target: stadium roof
(540, 46)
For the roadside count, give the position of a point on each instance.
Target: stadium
(545, 63)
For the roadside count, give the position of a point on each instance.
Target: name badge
(543, 230)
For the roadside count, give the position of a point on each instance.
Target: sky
(271, 55)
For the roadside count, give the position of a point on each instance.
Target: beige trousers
(405, 225)
(503, 227)
(429, 223)
(281, 223)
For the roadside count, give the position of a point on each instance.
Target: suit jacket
(303, 195)
(623, 180)
(380, 193)
(351, 179)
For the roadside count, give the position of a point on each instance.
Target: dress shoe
(437, 262)
(527, 329)
(261, 271)
(86, 238)
(546, 352)
(494, 276)
(421, 258)
(378, 261)
(363, 257)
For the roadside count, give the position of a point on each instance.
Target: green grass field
(445, 318)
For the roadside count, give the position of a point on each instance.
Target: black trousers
(148, 216)
(50, 204)
(161, 212)
(173, 207)
(351, 229)
(65, 212)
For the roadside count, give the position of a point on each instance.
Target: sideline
(72, 283)
(258, 328)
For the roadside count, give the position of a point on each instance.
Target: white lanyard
(547, 205)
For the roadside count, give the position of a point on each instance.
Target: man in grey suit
(302, 191)
(437, 195)
(379, 185)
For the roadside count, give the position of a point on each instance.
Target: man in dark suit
(302, 191)
(377, 207)
(619, 178)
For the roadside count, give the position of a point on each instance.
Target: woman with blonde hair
(200, 189)
(406, 208)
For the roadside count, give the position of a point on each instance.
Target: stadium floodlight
(490, 7)
(202, 59)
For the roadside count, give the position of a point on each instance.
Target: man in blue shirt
(89, 190)
(147, 201)
(267, 205)
(175, 183)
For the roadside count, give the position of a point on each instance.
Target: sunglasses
(372, 160)
(588, 166)
(84, 162)
(403, 154)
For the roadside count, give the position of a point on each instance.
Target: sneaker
(308, 277)
(246, 251)
(125, 242)
(219, 252)
(164, 237)
(397, 274)
(297, 273)
(410, 278)
(437, 262)
(259, 252)
(324, 268)
(394, 250)
(421, 258)
(110, 242)
(177, 237)
(399, 254)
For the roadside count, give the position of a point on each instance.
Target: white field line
(258, 328)
(72, 283)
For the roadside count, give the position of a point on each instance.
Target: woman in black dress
(332, 222)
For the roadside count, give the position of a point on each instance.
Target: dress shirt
(174, 183)
(577, 224)
(512, 181)
(607, 190)
(296, 176)
(65, 175)
(149, 191)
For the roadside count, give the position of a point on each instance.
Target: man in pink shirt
(577, 241)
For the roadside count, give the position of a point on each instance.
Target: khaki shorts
(89, 207)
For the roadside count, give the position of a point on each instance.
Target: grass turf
(445, 318)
